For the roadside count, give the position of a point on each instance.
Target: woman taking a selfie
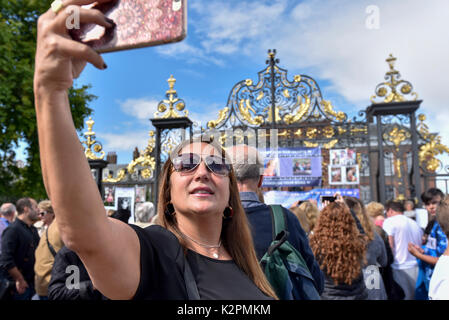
(199, 204)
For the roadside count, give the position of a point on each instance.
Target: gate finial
(171, 103)
(394, 89)
(91, 142)
(271, 57)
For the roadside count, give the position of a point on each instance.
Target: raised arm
(418, 252)
(106, 246)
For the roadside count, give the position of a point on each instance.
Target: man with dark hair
(19, 241)
(431, 199)
(248, 169)
(430, 195)
(434, 244)
(402, 231)
(395, 206)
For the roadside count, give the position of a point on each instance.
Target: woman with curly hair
(340, 250)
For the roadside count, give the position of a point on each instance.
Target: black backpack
(284, 266)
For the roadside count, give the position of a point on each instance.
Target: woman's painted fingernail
(110, 21)
(104, 66)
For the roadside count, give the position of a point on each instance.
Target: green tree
(18, 28)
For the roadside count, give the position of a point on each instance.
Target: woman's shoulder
(154, 232)
(154, 229)
(162, 264)
(158, 238)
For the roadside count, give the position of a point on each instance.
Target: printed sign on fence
(292, 167)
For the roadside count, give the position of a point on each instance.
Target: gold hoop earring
(170, 210)
(228, 213)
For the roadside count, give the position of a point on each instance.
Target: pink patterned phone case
(139, 23)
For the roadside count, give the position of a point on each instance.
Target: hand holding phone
(328, 199)
(138, 23)
(339, 198)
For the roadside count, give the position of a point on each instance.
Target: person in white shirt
(401, 231)
(439, 283)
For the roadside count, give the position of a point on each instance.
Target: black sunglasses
(188, 162)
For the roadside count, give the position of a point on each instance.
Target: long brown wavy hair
(337, 244)
(360, 211)
(235, 234)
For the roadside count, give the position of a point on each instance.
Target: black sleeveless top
(162, 271)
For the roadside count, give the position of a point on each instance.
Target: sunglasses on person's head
(188, 162)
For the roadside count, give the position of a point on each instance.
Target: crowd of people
(402, 261)
(35, 263)
(352, 250)
(212, 228)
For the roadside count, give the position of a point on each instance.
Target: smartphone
(328, 198)
(139, 23)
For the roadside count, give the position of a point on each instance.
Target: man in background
(46, 216)
(433, 246)
(49, 244)
(19, 241)
(402, 231)
(144, 214)
(431, 199)
(248, 167)
(7, 216)
(409, 209)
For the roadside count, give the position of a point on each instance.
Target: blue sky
(228, 40)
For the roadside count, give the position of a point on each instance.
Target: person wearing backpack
(309, 283)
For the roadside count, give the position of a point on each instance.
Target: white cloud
(331, 37)
(124, 141)
(142, 109)
(188, 53)
(329, 40)
(228, 27)
(203, 117)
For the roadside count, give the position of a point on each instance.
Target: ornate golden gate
(394, 153)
